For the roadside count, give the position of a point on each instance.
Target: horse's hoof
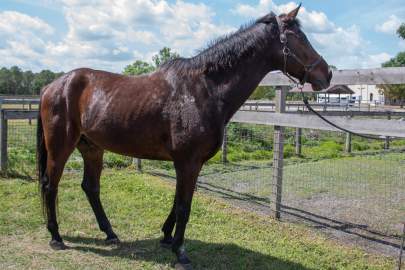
(56, 245)
(167, 244)
(182, 266)
(112, 241)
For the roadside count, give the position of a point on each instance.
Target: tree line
(14, 81)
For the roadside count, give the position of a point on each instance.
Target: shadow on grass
(204, 255)
(14, 174)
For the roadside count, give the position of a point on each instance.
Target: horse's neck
(237, 87)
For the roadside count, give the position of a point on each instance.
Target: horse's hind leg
(93, 165)
(59, 147)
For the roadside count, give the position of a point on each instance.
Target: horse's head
(296, 56)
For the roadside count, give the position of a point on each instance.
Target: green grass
(218, 236)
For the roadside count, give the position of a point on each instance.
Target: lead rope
(309, 107)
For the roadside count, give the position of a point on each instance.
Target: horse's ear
(293, 14)
(267, 19)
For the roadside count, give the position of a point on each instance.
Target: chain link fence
(21, 147)
(321, 181)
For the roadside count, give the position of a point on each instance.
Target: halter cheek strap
(288, 53)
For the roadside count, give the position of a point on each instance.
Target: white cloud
(107, 34)
(377, 59)
(22, 39)
(262, 8)
(11, 21)
(390, 26)
(312, 21)
(112, 32)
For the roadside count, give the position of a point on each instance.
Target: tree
(138, 68)
(16, 77)
(5, 82)
(164, 56)
(396, 92)
(401, 31)
(26, 83)
(263, 92)
(42, 79)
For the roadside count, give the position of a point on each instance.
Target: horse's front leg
(187, 174)
(168, 227)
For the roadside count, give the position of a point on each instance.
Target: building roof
(333, 89)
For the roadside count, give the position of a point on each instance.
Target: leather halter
(288, 53)
(307, 68)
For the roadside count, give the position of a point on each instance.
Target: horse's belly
(143, 143)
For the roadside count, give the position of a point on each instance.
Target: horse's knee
(90, 189)
(52, 226)
(183, 213)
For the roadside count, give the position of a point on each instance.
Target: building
(342, 94)
(369, 94)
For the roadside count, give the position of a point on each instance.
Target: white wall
(367, 93)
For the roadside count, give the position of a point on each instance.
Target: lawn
(219, 235)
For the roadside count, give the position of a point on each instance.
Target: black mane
(225, 52)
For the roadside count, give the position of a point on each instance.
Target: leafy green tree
(164, 55)
(16, 76)
(26, 83)
(5, 82)
(401, 31)
(263, 92)
(138, 68)
(41, 79)
(396, 92)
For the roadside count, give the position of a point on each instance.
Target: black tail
(42, 157)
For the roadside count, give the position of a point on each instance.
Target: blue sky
(108, 34)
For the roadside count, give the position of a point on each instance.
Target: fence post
(348, 147)
(30, 108)
(138, 163)
(387, 138)
(298, 141)
(225, 146)
(278, 150)
(3, 142)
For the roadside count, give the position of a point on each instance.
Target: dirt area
(346, 233)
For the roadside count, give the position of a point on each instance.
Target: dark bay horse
(177, 113)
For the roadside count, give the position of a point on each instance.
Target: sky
(62, 35)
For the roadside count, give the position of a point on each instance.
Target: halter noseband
(288, 53)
